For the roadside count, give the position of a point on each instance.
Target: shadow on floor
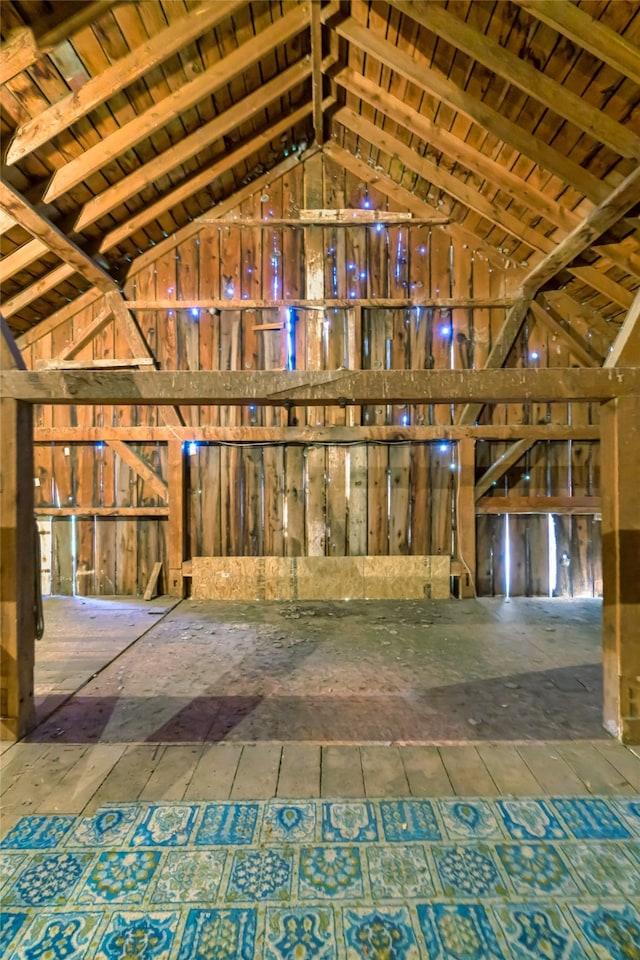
(558, 704)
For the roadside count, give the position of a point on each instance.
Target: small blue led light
(195, 312)
(367, 204)
(193, 448)
(445, 329)
(443, 447)
(405, 420)
(100, 445)
(379, 227)
(363, 275)
(534, 355)
(422, 250)
(252, 407)
(353, 294)
(351, 266)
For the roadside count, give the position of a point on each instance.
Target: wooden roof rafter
(517, 71)
(61, 115)
(155, 117)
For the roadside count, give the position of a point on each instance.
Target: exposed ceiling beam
(63, 114)
(27, 44)
(578, 26)
(468, 195)
(399, 194)
(457, 150)
(601, 219)
(626, 347)
(143, 126)
(54, 320)
(42, 229)
(439, 138)
(37, 289)
(556, 97)
(202, 179)
(21, 258)
(433, 83)
(220, 210)
(189, 146)
(544, 312)
(316, 59)
(320, 387)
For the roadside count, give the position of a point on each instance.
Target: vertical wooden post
(466, 515)
(177, 517)
(620, 424)
(17, 557)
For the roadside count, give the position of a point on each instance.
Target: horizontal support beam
(333, 434)
(563, 505)
(125, 512)
(386, 303)
(321, 387)
(315, 218)
(109, 363)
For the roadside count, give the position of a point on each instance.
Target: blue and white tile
(37, 833)
(399, 872)
(383, 932)
(227, 823)
(299, 933)
(468, 871)
(189, 876)
(146, 936)
(58, 935)
(591, 818)
(470, 820)
(9, 866)
(458, 931)
(331, 872)
(405, 820)
(167, 825)
(537, 931)
(289, 822)
(108, 827)
(536, 869)
(12, 924)
(629, 810)
(48, 879)
(530, 820)
(220, 934)
(120, 876)
(612, 929)
(604, 867)
(349, 822)
(262, 874)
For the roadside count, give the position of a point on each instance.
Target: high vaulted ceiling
(122, 122)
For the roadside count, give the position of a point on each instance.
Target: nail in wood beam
(620, 473)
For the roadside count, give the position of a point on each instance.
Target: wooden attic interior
(312, 280)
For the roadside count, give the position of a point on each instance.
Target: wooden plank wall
(315, 500)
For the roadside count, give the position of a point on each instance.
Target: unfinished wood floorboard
(299, 771)
(551, 770)
(128, 777)
(626, 763)
(79, 784)
(467, 772)
(214, 773)
(597, 774)
(341, 772)
(36, 783)
(172, 776)
(509, 771)
(22, 757)
(257, 773)
(383, 772)
(425, 772)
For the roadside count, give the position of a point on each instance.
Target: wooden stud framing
(620, 551)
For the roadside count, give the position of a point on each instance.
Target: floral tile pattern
(407, 879)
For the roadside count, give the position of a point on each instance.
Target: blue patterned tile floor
(446, 879)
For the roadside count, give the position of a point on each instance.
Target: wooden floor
(56, 774)
(65, 778)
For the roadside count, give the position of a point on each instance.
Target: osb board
(320, 578)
